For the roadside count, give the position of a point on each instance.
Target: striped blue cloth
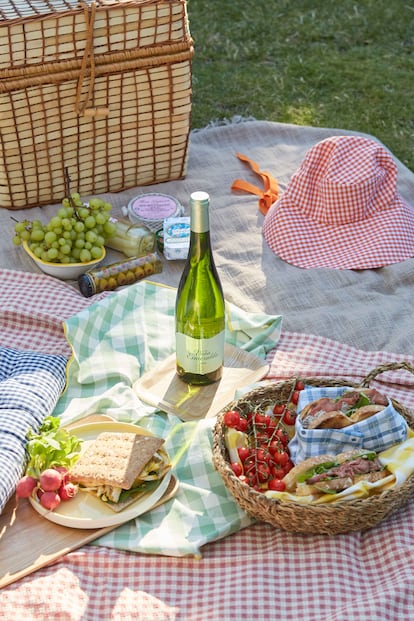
(30, 385)
(377, 433)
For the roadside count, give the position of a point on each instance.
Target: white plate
(87, 511)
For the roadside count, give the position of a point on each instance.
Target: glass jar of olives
(110, 277)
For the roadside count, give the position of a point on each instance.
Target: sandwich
(120, 467)
(331, 474)
(351, 407)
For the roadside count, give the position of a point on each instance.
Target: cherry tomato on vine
(237, 468)
(263, 455)
(261, 418)
(289, 418)
(283, 436)
(250, 464)
(281, 458)
(272, 426)
(276, 485)
(261, 421)
(262, 438)
(243, 452)
(279, 409)
(243, 424)
(277, 472)
(231, 418)
(275, 446)
(299, 385)
(295, 397)
(251, 475)
(263, 472)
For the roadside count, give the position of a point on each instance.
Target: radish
(50, 480)
(25, 486)
(65, 474)
(67, 491)
(50, 500)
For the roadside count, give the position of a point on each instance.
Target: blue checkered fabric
(30, 385)
(377, 433)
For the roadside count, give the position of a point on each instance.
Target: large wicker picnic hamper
(100, 88)
(327, 519)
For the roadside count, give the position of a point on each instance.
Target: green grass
(346, 64)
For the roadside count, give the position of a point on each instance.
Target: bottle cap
(200, 197)
(199, 212)
(86, 285)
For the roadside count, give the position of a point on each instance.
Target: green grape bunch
(76, 234)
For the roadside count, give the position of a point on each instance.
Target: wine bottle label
(200, 356)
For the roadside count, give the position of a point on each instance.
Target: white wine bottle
(200, 307)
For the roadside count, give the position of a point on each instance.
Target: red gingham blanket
(259, 573)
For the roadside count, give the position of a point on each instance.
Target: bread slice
(114, 459)
(290, 479)
(330, 420)
(366, 411)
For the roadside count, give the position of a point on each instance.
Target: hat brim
(384, 239)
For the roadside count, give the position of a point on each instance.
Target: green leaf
(146, 486)
(51, 446)
(318, 469)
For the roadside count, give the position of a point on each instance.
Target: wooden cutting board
(163, 389)
(28, 541)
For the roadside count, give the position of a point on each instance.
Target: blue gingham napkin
(377, 433)
(30, 385)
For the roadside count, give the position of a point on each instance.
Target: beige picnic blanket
(353, 576)
(369, 309)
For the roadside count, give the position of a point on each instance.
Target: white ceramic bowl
(64, 271)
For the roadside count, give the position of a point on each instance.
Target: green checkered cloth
(114, 342)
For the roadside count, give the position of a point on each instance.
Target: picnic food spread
(347, 409)
(257, 439)
(77, 233)
(51, 452)
(119, 467)
(116, 467)
(95, 568)
(330, 474)
(260, 435)
(133, 240)
(118, 274)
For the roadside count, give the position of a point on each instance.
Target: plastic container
(134, 240)
(110, 277)
(152, 209)
(176, 238)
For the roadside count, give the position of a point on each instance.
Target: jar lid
(153, 208)
(86, 285)
(159, 236)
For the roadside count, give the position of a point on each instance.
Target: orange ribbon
(268, 195)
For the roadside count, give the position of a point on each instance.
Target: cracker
(114, 458)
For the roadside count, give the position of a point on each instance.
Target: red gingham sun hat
(341, 209)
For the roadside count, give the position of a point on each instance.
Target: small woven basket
(331, 519)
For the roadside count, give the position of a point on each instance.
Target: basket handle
(81, 108)
(390, 366)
